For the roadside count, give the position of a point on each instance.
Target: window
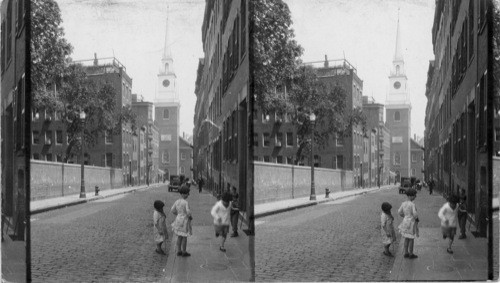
(109, 159)
(58, 158)
(397, 116)
(265, 140)
(183, 156)
(9, 32)
(59, 137)
(49, 156)
(265, 117)
(497, 134)
(289, 160)
(182, 170)
(279, 139)
(414, 157)
(255, 140)
(279, 159)
(413, 172)
(166, 114)
(317, 161)
(340, 162)
(267, 158)
(397, 158)
(166, 138)
(36, 137)
(289, 139)
(48, 137)
(243, 26)
(165, 158)
(108, 136)
(340, 141)
(36, 156)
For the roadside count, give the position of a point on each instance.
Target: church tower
(398, 112)
(167, 107)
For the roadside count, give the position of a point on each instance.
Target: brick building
(417, 160)
(186, 158)
(275, 138)
(222, 110)
(14, 117)
(456, 123)
(148, 146)
(50, 139)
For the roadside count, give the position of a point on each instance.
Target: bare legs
(408, 248)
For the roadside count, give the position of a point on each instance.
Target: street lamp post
(312, 118)
(82, 186)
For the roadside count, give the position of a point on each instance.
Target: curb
(267, 213)
(171, 258)
(72, 203)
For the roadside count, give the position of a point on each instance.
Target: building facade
(456, 123)
(222, 110)
(417, 161)
(167, 112)
(15, 114)
(186, 160)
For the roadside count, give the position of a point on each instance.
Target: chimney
(326, 61)
(95, 59)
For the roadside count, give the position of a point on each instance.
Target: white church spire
(167, 53)
(398, 53)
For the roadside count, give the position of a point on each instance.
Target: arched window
(166, 67)
(397, 116)
(166, 114)
(397, 69)
(397, 158)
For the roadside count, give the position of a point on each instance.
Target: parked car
(405, 185)
(175, 183)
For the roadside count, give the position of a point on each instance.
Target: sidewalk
(468, 262)
(13, 260)
(43, 205)
(207, 263)
(269, 208)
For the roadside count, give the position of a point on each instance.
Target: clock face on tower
(166, 83)
(397, 85)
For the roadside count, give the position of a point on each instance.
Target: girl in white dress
(182, 223)
(387, 227)
(409, 226)
(160, 226)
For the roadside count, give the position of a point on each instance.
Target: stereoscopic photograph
(249, 140)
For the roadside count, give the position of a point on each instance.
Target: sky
(365, 31)
(133, 31)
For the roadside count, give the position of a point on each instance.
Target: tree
(306, 94)
(275, 55)
(49, 52)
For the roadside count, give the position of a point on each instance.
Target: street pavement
(207, 263)
(340, 241)
(106, 240)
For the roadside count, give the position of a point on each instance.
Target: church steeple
(167, 53)
(166, 90)
(398, 53)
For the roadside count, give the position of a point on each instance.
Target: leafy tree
(308, 94)
(275, 55)
(496, 52)
(49, 51)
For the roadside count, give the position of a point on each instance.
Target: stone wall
(274, 182)
(54, 179)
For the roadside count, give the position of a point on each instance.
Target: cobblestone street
(334, 241)
(102, 241)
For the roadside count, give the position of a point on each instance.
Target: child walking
(448, 215)
(462, 214)
(408, 227)
(221, 214)
(182, 223)
(160, 224)
(388, 233)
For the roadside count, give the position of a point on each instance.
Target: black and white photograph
(249, 140)
(371, 159)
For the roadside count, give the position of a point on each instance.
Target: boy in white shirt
(449, 216)
(221, 214)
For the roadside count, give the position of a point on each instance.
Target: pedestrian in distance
(462, 213)
(235, 211)
(449, 215)
(221, 214)
(160, 225)
(200, 184)
(182, 223)
(409, 226)
(431, 186)
(387, 228)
